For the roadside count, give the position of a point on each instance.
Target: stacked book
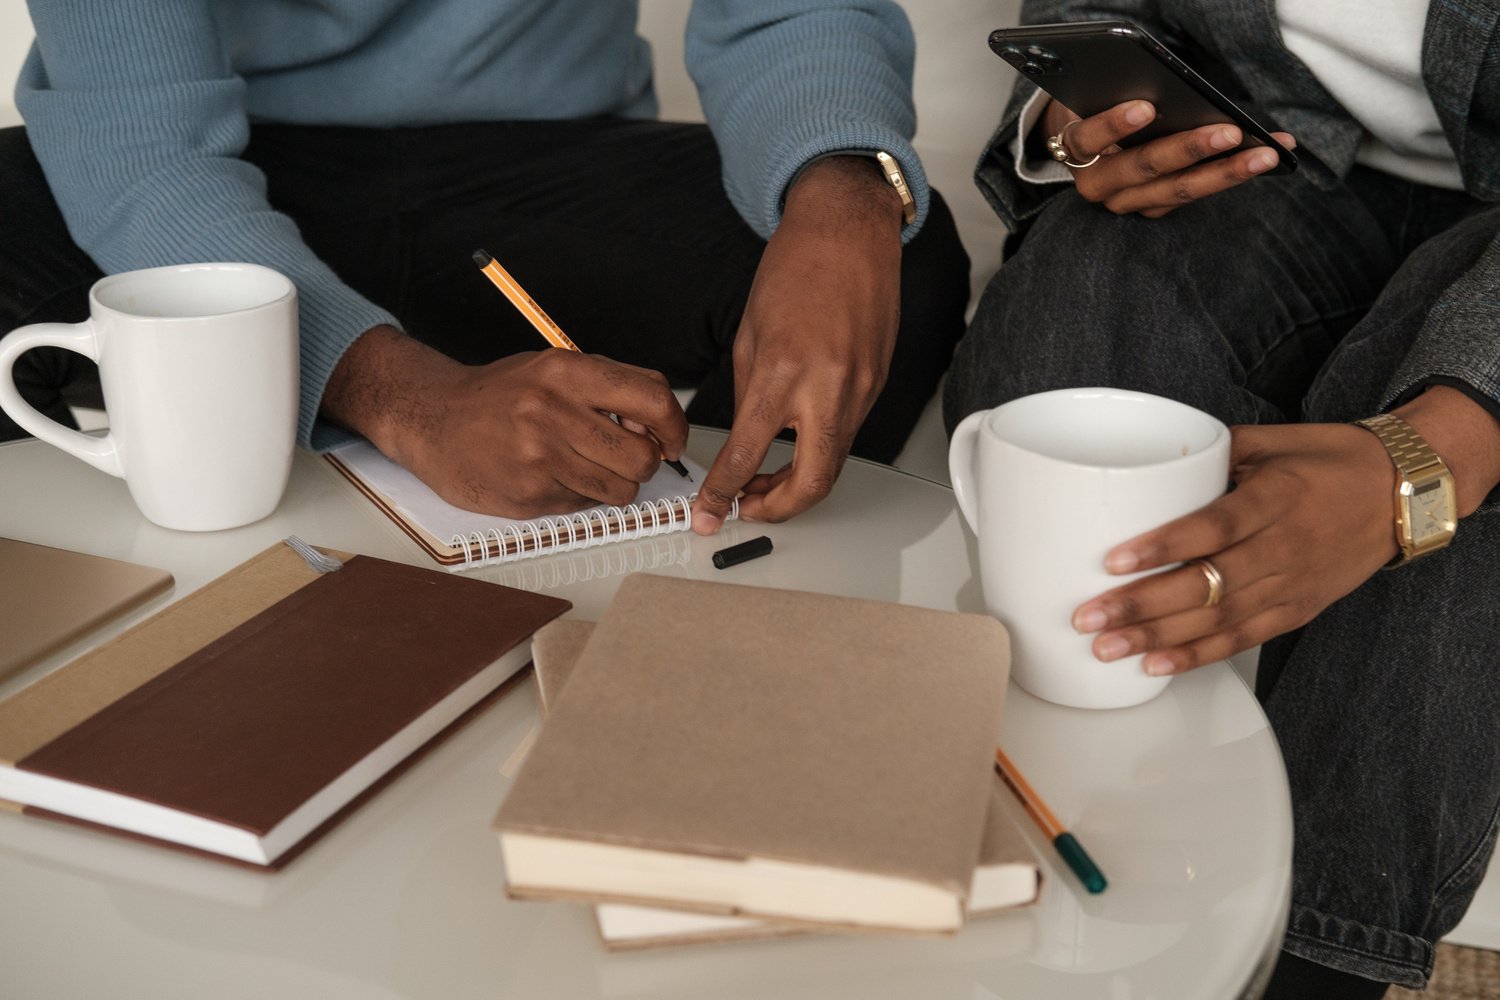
(721, 761)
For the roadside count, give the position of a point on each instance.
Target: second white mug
(199, 367)
(1053, 481)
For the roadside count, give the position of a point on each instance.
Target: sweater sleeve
(139, 123)
(784, 82)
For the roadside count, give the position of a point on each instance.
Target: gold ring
(1058, 147)
(1215, 581)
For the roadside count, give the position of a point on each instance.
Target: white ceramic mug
(1052, 482)
(199, 368)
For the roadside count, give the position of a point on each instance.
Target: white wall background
(15, 39)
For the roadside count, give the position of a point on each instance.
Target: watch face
(1432, 512)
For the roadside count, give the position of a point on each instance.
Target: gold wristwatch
(1426, 508)
(892, 171)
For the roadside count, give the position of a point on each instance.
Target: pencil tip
(481, 258)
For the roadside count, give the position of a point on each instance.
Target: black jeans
(1271, 302)
(621, 229)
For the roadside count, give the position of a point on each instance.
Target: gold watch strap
(1415, 461)
(891, 168)
(1408, 449)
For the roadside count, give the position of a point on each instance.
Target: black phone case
(1092, 66)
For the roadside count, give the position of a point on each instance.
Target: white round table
(1182, 802)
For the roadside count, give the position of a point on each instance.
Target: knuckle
(1091, 190)
(813, 487)
(1195, 149)
(1130, 608)
(530, 404)
(1146, 166)
(659, 396)
(716, 496)
(1146, 636)
(1182, 194)
(645, 467)
(739, 461)
(1223, 525)
(1302, 610)
(1241, 639)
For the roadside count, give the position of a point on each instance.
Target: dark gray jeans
(1275, 302)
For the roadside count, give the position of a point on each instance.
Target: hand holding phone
(1141, 132)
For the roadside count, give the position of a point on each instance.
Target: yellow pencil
(525, 303)
(538, 317)
(1067, 845)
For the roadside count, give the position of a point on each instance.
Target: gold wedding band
(1057, 145)
(1215, 581)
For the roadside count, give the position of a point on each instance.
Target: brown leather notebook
(50, 597)
(1007, 874)
(241, 720)
(774, 753)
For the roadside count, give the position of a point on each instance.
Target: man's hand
(814, 346)
(1156, 177)
(1310, 519)
(526, 435)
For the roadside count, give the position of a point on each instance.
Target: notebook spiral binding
(577, 531)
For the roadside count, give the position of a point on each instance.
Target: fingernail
(1139, 113)
(1157, 665)
(1090, 620)
(1111, 647)
(1121, 562)
(705, 523)
(1262, 161)
(1224, 138)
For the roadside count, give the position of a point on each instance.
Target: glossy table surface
(1182, 801)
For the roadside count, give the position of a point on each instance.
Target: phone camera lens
(1045, 60)
(1031, 68)
(1013, 55)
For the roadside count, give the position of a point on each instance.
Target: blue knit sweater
(139, 109)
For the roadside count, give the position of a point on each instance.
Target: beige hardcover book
(750, 751)
(1007, 874)
(52, 597)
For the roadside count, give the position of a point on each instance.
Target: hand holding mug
(1052, 482)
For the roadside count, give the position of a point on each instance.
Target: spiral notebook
(461, 539)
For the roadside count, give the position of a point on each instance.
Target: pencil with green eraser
(1067, 845)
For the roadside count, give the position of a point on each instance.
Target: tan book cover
(51, 597)
(1006, 876)
(774, 753)
(245, 719)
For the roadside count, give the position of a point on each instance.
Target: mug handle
(961, 466)
(100, 452)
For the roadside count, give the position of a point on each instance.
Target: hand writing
(526, 435)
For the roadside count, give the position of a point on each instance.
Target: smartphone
(1092, 66)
